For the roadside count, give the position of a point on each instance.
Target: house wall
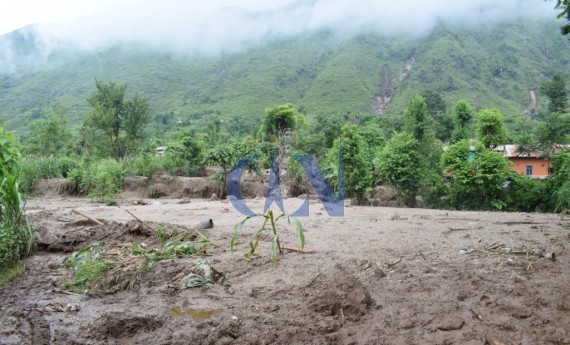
(539, 165)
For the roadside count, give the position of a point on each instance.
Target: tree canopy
(121, 122)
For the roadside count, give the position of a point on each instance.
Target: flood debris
(205, 224)
(85, 215)
(551, 256)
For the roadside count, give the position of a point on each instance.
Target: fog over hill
(194, 59)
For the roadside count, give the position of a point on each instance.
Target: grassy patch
(7, 274)
(88, 264)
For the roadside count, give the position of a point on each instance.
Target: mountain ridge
(320, 73)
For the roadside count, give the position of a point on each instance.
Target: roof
(511, 151)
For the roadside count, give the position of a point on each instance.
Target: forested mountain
(320, 73)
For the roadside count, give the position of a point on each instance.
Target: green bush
(147, 165)
(32, 169)
(560, 182)
(16, 237)
(527, 195)
(100, 180)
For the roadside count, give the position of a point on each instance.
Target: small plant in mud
(88, 264)
(201, 274)
(276, 248)
(177, 247)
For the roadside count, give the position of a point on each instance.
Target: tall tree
(356, 163)
(49, 136)
(121, 122)
(418, 122)
(399, 166)
(564, 5)
(463, 120)
(491, 130)
(557, 94)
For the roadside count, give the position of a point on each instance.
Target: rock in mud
(492, 339)
(451, 323)
(205, 224)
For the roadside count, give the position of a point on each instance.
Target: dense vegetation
(320, 73)
(436, 146)
(418, 157)
(16, 237)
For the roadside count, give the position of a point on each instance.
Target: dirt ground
(375, 276)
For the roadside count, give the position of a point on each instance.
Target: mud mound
(119, 325)
(343, 295)
(53, 187)
(83, 233)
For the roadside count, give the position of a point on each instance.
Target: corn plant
(87, 264)
(178, 247)
(276, 248)
(16, 237)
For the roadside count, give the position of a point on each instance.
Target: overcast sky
(213, 25)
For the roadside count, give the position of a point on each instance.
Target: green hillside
(320, 73)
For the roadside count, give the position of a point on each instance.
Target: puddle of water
(196, 314)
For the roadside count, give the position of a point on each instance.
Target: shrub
(16, 237)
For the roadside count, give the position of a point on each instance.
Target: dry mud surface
(375, 276)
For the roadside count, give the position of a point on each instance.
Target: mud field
(375, 276)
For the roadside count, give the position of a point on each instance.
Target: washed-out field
(377, 275)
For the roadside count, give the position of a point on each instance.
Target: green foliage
(87, 264)
(179, 246)
(32, 169)
(528, 195)
(188, 153)
(560, 180)
(357, 163)
(564, 5)
(108, 179)
(7, 274)
(17, 240)
(319, 73)
(279, 118)
(463, 120)
(115, 123)
(491, 131)
(418, 123)
(557, 94)
(49, 136)
(443, 123)
(101, 180)
(276, 248)
(476, 183)
(417, 120)
(555, 130)
(399, 166)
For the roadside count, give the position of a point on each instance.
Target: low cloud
(222, 25)
(213, 26)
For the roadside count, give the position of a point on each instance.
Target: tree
(121, 122)
(491, 130)
(435, 103)
(564, 5)
(418, 122)
(356, 163)
(557, 93)
(478, 182)
(49, 136)
(463, 119)
(279, 118)
(399, 166)
(560, 180)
